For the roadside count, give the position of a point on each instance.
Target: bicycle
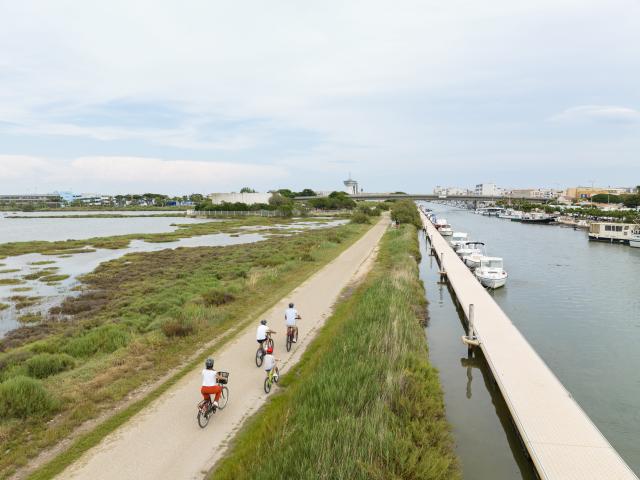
(272, 377)
(263, 348)
(206, 407)
(292, 334)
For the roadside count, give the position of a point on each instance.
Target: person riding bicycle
(270, 362)
(290, 317)
(210, 383)
(262, 333)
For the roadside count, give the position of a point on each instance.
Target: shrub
(217, 297)
(360, 217)
(22, 397)
(177, 327)
(405, 211)
(44, 365)
(106, 339)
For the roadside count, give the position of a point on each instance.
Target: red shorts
(207, 391)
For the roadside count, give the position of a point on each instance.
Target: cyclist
(262, 332)
(270, 363)
(290, 317)
(210, 383)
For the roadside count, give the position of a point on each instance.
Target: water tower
(351, 186)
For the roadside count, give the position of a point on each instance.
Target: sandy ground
(165, 441)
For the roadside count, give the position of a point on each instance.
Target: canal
(577, 303)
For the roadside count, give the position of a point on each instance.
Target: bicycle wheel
(267, 385)
(269, 342)
(224, 398)
(289, 341)
(296, 337)
(276, 376)
(259, 357)
(203, 417)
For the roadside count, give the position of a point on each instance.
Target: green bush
(405, 211)
(44, 365)
(104, 339)
(360, 217)
(178, 327)
(217, 297)
(22, 397)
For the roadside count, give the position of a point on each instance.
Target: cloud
(112, 174)
(597, 114)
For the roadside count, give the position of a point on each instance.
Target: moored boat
(491, 273)
(458, 239)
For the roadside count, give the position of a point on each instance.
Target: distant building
(577, 193)
(455, 191)
(535, 193)
(52, 200)
(488, 190)
(351, 186)
(248, 198)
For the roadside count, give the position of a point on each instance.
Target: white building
(488, 190)
(450, 191)
(248, 198)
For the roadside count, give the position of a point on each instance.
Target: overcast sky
(187, 96)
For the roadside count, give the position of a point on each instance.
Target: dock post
(470, 332)
(443, 272)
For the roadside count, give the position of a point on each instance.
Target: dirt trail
(165, 442)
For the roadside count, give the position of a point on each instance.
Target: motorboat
(470, 248)
(539, 218)
(634, 241)
(443, 227)
(511, 214)
(474, 259)
(458, 240)
(491, 273)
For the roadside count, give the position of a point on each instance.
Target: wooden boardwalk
(561, 439)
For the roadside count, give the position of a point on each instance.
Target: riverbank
(364, 401)
(125, 334)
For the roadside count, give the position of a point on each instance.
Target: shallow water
(54, 229)
(578, 304)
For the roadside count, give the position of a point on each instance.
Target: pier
(559, 437)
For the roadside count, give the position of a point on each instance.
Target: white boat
(491, 273)
(443, 227)
(470, 248)
(634, 241)
(473, 260)
(458, 240)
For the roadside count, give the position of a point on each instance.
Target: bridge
(431, 197)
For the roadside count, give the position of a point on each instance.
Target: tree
(606, 198)
(405, 211)
(278, 200)
(247, 190)
(307, 192)
(285, 192)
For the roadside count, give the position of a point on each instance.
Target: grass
(44, 365)
(30, 318)
(43, 262)
(10, 270)
(364, 402)
(53, 278)
(22, 301)
(22, 289)
(11, 281)
(3, 306)
(128, 302)
(22, 397)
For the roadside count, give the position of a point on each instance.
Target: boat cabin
(613, 232)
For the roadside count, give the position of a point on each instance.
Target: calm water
(52, 229)
(577, 303)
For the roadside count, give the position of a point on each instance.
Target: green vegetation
(11, 281)
(43, 262)
(10, 270)
(53, 278)
(44, 365)
(30, 318)
(363, 402)
(163, 307)
(23, 301)
(335, 201)
(22, 397)
(4, 306)
(405, 212)
(360, 217)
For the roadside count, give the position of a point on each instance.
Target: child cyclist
(210, 383)
(270, 364)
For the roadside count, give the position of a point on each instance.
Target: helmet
(270, 350)
(291, 305)
(263, 322)
(209, 363)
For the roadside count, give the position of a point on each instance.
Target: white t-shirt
(261, 333)
(209, 378)
(290, 315)
(269, 361)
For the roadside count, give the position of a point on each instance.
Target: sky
(210, 96)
